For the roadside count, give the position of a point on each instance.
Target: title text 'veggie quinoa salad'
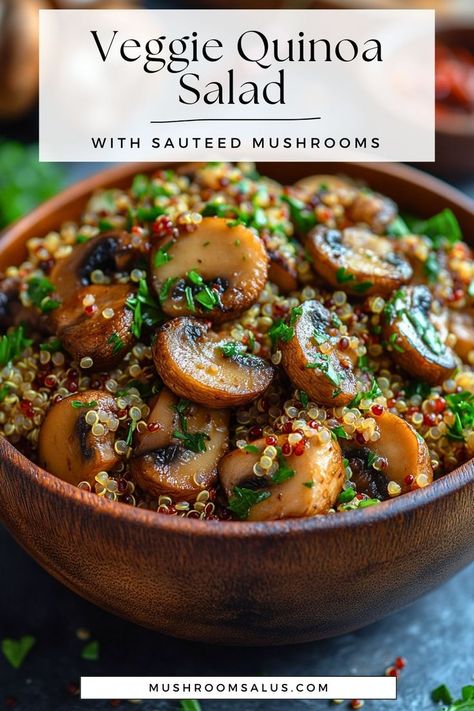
(211, 344)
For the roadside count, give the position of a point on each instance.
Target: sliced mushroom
(67, 447)
(405, 453)
(362, 206)
(357, 261)
(282, 272)
(313, 359)
(461, 323)
(163, 463)
(210, 369)
(417, 346)
(110, 252)
(312, 487)
(228, 266)
(103, 335)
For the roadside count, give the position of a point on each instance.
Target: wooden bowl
(236, 582)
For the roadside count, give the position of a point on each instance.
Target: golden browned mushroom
(217, 270)
(362, 206)
(357, 261)
(210, 369)
(313, 358)
(409, 328)
(179, 458)
(303, 485)
(95, 323)
(67, 444)
(282, 272)
(404, 454)
(109, 252)
(461, 323)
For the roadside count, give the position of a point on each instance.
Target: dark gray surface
(436, 635)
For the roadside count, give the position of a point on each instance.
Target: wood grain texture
(236, 582)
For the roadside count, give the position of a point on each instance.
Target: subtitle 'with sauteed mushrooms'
(209, 343)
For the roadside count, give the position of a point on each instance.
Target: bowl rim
(402, 505)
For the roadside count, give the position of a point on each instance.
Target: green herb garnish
(343, 276)
(76, 404)
(4, 390)
(194, 441)
(131, 429)
(280, 331)
(12, 345)
(190, 705)
(195, 277)
(323, 363)
(162, 257)
(308, 484)
(51, 346)
(440, 228)
(465, 703)
(346, 496)
(207, 298)
(302, 216)
(146, 311)
(251, 448)
(244, 499)
(283, 473)
(432, 267)
(39, 291)
(117, 343)
(304, 399)
(15, 650)
(339, 432)
(231, 349)
(462, 407)
(398, 227)
(90, 652)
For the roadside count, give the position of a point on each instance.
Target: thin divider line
(193, 120)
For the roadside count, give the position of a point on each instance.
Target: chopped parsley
(465, 703)
(207, 298)
(339, 432)
(149, 214)
(190, 705)
(230, 349)
(4, 390)
(346, 496)
(195, 277)
(303, 397)
(295, 312)
(440, 228)
(323, 363)
(194, 441)
(162, 257)
(166, 288)
(51, 346)
(362, 287)
(244, 499)
(280, 331)
(398, 227)
(12, 345)
(302, 216)
(146, 311)
(283, 473)
(342, 276)
(188, 293)
(90, 652)
(371, 457)
(89, 405)
(39, 291)
(251, 448)
(393, 342)
(15, 650)
(432, 267)
(364, 503)
(308, 484)
(131, 429)
(462, 407)
(116, 342)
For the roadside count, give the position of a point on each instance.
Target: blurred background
(435, 637)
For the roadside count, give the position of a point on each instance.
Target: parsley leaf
(323, 363)
(302, 216)
(15, 650)
(230, 349)
(194, 441)
(280, 331)
(162, 256)
(346, 496)
(342, 275)
(283, 473)
(76, 404)
(12, 345)
(51, 346)
(244, 499)
(442, 227)
(116, 342)
(90, 651)
(190, 705)
(146, 311)
(39, 290)
(340, 432)
(462, 406)
(251, 448)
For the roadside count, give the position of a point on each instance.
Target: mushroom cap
(332, 381)
(282, 272)
(417, 345)
(189, 359)
(230, 258)
(162, 465)
(404, 449)
(317, 481)
(357, 261)
(66, 446)
(105, 340)
(108, 251)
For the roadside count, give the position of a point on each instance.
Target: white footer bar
(251, 687)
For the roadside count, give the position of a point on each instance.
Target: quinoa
(41, 372)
